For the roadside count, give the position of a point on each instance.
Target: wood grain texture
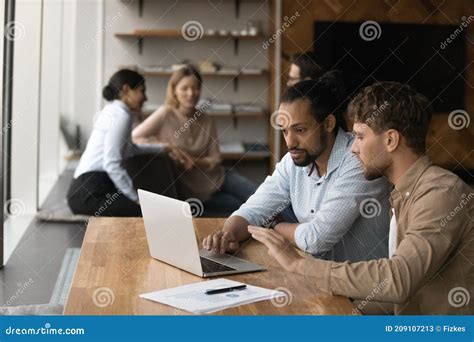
(452, 149)
(115, 267)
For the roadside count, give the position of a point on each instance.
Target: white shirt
(110, 143)
(392, 235)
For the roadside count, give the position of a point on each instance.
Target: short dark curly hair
(392, 105)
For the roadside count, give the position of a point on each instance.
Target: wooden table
(115, 267)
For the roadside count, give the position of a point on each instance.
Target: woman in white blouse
(101, 185)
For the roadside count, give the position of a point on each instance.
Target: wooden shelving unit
(267, 72)
(235, 76)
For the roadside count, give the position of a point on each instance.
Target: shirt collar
(408, 181)
(122, 105)
(343, 139)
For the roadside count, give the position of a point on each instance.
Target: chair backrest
(153, 172)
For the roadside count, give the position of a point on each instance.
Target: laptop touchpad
(225, 259)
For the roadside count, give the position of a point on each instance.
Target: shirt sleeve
(424, 250)
(271, 197)
(340, 209)
(116, 140)
(151, 124)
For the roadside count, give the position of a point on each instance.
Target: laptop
(171, 239)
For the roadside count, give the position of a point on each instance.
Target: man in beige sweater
(430, 269)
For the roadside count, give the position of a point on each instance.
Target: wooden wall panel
(447, 147)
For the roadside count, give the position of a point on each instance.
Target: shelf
(245, 156)
(238, 114)
(169, 72)
(177, 34)
(139, 35)
(223, 114)
(237, 4)
(244, 151)
(235, 76)
(205, 73)
(231, 74)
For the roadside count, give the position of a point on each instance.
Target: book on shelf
(256, 147)
(251, 70)
(247, 107)
(210, 107)
(247, 148)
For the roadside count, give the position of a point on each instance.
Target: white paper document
(193, 298)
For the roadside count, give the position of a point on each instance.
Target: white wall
(26, 81)
(67, 73)
(2, 19)
(87, 79)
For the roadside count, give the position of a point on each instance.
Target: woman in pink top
(192, 142)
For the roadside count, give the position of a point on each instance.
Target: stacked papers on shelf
(251, 70)
(231, 147)
(247, 107)
(219, 107)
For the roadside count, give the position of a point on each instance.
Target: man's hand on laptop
(221, 242)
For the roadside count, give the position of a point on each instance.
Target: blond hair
(178, 75)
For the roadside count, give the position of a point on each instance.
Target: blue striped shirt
(341, 215)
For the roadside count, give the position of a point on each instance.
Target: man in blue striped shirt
(340, 215)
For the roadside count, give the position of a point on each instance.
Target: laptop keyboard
(209, 266)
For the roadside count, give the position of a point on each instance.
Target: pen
(226, 289)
